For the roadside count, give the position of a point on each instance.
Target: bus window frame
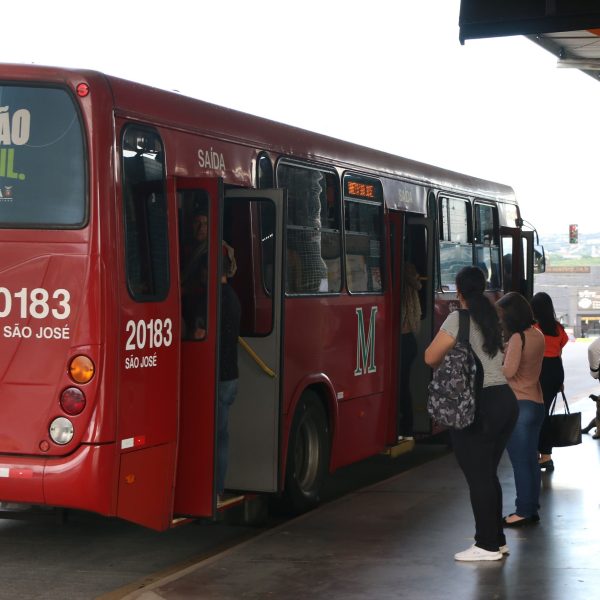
(329, 170)
(383, 230)
(163, 295)
(442, 242)
(495, 243)
(86, 168)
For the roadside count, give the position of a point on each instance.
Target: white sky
(389, 75)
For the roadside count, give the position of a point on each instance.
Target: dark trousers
(552, 377)
(478, 449)
(405, 410)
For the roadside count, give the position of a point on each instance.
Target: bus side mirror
(539, 259)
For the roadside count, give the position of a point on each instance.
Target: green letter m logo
(365, 346)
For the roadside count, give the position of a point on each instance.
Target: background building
(575, 291)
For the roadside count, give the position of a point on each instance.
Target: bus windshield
(42, 166)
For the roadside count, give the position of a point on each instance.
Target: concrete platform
(397, 539)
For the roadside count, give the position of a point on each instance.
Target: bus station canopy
(575, 49)
(569, 29)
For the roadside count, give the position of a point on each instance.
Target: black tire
(308, 454)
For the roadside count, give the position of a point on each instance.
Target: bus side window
(487, 247)
(145, 215)
(313, 230)
(363, 230)
(456, 250)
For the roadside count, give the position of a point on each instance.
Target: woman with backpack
(479, 447)
(523, 356)
(552, 376)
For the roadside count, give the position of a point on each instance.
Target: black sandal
(535, 518)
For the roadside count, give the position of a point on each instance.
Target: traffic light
(573, 234)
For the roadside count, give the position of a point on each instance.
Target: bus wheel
(308, 454)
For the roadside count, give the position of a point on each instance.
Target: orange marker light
(81, 369)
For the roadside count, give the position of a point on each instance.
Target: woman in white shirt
(479, 447)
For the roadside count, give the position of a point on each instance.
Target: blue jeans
(227, 394)
(522, 449)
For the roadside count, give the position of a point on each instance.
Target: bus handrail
(257, 359)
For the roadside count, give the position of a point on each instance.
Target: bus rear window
(42, 166)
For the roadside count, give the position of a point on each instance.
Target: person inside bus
(410, 311)
(552, 376)
(228, 368)
(194, 261)
(479, 447)
(523, 357)
(307, 271)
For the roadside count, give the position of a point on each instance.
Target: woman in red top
(552, 376)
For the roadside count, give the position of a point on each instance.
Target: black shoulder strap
(464, 326)
(553, 403)
(522, 340)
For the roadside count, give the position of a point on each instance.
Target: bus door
(418, 248)
(535, 261)
(512, 260)
(148, 338)
(199, 203)
(253, 226)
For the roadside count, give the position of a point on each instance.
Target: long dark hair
(517, 315)
(543, 311)
(470, 282)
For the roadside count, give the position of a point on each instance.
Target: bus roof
(210, 120)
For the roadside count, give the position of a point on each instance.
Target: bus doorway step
(225, 500)
(401, 447)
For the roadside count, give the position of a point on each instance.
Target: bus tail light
(81, 368)
(61, 431)
(72, 401)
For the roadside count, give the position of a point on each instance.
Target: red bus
(107, 397)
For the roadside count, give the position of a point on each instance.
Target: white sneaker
(504, 549)
(476, 553)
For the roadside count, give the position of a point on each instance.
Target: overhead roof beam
(482, 18)
(565, 58)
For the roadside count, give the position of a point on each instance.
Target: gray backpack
(452, 393)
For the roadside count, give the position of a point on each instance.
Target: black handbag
(564, 429)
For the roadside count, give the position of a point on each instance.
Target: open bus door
(419, 241)
(513, 267)
(198, 199)
(253, 224)
(535, 260)
(148, 339)
(412, 239)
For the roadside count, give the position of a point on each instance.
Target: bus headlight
(61, 431)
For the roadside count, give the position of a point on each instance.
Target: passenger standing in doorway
(194, 261)
(479, 447)
(410, 314)
(228, 368)
(552, 376)
(523, 357)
